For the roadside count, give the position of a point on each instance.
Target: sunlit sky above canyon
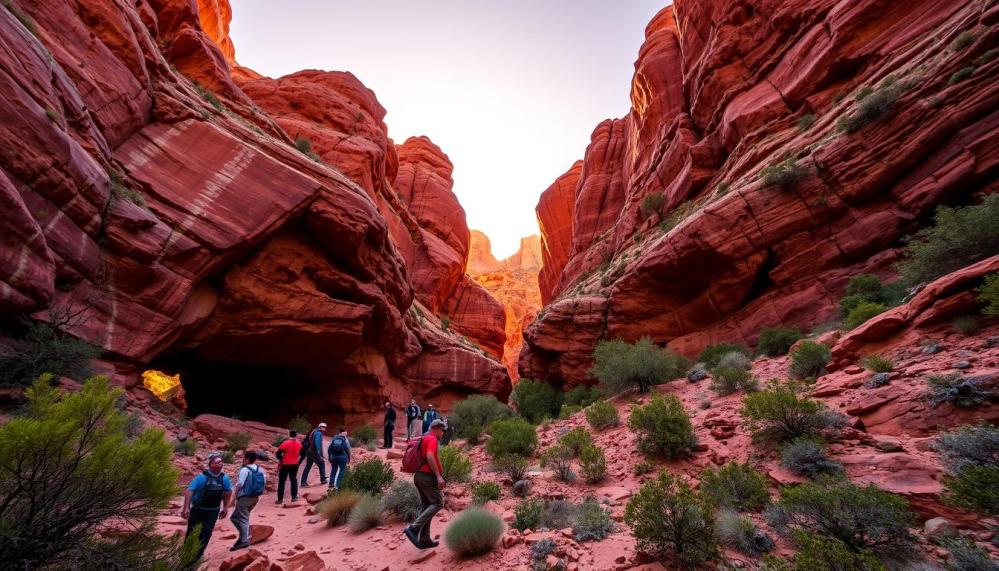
(509, 90)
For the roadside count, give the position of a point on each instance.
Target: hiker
(429, 480)
(313, 451)
(339, 454)
(429, 416)
(412, 419)
(250, 484)
(205, 501)
(289, 454)
(389, 426)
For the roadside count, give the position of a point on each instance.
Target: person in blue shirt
(314, 454)
(429, 416)
(205, 501)
(339, 455)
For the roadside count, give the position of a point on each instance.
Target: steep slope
(674, 233)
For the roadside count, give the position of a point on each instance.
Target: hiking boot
(411, 535)
(239, 546)
(428, 543)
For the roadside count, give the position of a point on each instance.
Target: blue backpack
(254, 485)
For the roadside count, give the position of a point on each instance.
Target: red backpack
(414, 458)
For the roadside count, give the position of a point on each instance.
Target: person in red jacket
(429, 480)
(289, 455)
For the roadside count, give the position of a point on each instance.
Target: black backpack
(338, 446)
(307, 445)
(210, 495)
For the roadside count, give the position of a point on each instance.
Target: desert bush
(877, 364)
(735, 360)
(511, 436)
(513, 465)
(208, 96)
(809, 360)
(779, 414)
(784, 175)
(366, 514)
(971, 455)
(806, 121)
(663, 428)
(807, 457)
(988, 294)
(667, 517)
(335, 508)
(592, 522)
(472, 415)
(966, 556)
(592, 464)
(602, 414)
(576, 439)
(581, 396)
(815, 553)
(299, 424)
(473, 532)
(540, 550)
(652, 204)
(975, 488)
(568, 410)
(958, 237)
(536, 400)
(369, 476)
(960, 391)
(863, 312)
(228, 457)
(403, 500)
(559, 459)
(364, 434)
(861, 517)
(867, 288)
(185, 448)
(528, 513)
(643, 467)
(736, 486)
(965, 324)
(483, 492)
(961, 74)
(741, 534)
(44, 348)
(776, 341)
(457, 465)
(873, 105)
(963, 40)
(619, 365)
(727, 380)
(521, 488)
(698, 372)
(236, 441)
(712, 354)
(558, 514)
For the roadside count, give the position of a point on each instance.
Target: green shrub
(365, 434)
(602, 414)
(513, 465)
(958, 237)
(965, 324)
(877, 364)
(457, 465)
(236, 441)
(966, 556)
(121, 190)
(228, 457)
(862, 312)
(818, 553)
(652, 204)
(643, 467)
(592, 464)
(559, 459)
(568, 410)
(663, 428)
(784, 175)
(971, 455)
(521, 488)
(511, 436)
(335, 508)
(536, 400)
(44, 348)
(806, 121)
(667, 517)
(975, 488)
(779, 414)
(735, 360)
(23, 18)
(807, 457)
(366, 514)
(446, 323)
(593, 522)
(185, 448)
(582, 396)
(808, 360)
(299, 424)
(962, 392)
(473, 532)
(727, 380)
(741, 534)
(527, 514)
(559, 514)
(963, 40)
(873, 105)
(68, 470)
(619, 365)
(961, 74)
(776, 341)
(208, 96)
(861, 517)
(712, 354)
(540, 550)
(576, 439)
(403, 500)
(472, 415)
(988, 294)
(736, 486)
(483, 492)
(369, 476)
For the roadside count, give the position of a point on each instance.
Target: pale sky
(509, 90)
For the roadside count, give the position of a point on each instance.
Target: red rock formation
(718, 92)
(555, 211)
(480, 254)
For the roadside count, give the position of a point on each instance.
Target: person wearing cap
(313, 451)
(429, 480)
(429, 416)
(205, 501)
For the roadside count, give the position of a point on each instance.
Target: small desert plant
(536, 400)
(727, 380)
(962, 392)
(667, 517)
(712, 354)
(663, 427)
(208, 96)
(368, 476)
(403, 500)
(777, 341)
(741, 534)
(568, 410)
(540, 550)
(971, 455)
(806, 121)
(473, 532)
(228, 457)
(867, 288)
(961, 74)
(873, 105)
(784, 175)
(299, 424)
(862, 313)
(513, 465)
(366, 514)
(528, 513)
(877, 364)
(521, 488)
(335, 508)
(988, 294)
(966, 556)
(559, 514)
(602, 414)
(619, 365)
(643, 467)
(457, 465)
(304, 146)
(576, 439)
(817, 552)
(809, 360)
(779, 414)
(735, 360)
(963, 40)
(511, 436)
(237, 441)
(472, 415)
(966, 324)
(121, 190)
(446, 323)
(365, 434)
(559, 459)
(44, 348)
(483, 492)
(807, 457)
(592, 464)
(592, 522)
(652, 204)
(974, 487)
(581, 396)
(185, 448)
(736, 486)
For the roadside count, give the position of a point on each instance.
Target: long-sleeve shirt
(390, 416)
(346, 447)
(316, 449)
(412, 411)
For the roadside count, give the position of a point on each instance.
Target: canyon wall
(722, 90)
(263, 237)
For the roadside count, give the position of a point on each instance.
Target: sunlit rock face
(720, 91)
(153, 183)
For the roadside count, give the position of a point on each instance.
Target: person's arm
(435, 467)
(317, 442)
(239, 485)
(186, 511)
(225, 502)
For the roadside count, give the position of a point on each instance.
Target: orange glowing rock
(164, 386)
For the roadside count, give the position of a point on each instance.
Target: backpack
(338, 446)
(307, 445)
(413, 458)
(254, 485)
(209, 496)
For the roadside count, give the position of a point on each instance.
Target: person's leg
(387, 437)
(322, 470)
(282, 476)
(409, 428)
(293, 470)
(430, 501)
(305, 473)
(241, 518)
(206, 519)
(341, 469)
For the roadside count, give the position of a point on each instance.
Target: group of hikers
(210, 495)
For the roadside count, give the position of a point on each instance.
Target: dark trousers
(388, 435)
(338, 467)
(430, 500)
(285, 472)
(318, 461)
(206, 518)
